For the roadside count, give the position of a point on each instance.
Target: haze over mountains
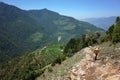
(23, 31)
(103, 22)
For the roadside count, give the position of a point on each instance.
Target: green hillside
(57, 24)
(38, 30)
(22, 31)
(17, 30)
(29, 66)
(113, 32)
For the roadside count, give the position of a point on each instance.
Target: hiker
(96, 51)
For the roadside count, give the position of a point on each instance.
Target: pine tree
(116, 31)
(117, 19)
(110, 32)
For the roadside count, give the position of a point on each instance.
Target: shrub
(50, 69)
(59, 59)
(75, 45)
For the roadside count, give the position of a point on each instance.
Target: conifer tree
(116, 31)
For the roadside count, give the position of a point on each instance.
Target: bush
(72, 46)
(50, 69)
(59, 59)
(31, 75)
(113, 32)
(75, 45)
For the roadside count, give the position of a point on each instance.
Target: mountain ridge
(28, 30)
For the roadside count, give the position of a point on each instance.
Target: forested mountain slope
(26, 30)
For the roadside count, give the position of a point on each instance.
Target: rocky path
(88, 69)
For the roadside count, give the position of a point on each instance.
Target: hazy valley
(103, 22)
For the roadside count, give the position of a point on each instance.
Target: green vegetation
(69, 27)
(75, 45)
(59, 59)
(36, 37)
(54, 55)
(113, 33)
(52, 52)
(110, 50)
(31, 65)
(23, 31)
(116, 31)
(60, 71)
(50, 69)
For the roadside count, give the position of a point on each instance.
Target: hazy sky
(75, 8)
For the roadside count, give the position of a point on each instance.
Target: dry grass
(108, 52)
(60, 71)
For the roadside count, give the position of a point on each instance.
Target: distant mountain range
(103, 22)
(22, 31)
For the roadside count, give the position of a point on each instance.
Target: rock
(89, 70)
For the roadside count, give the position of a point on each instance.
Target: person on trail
(96, 51)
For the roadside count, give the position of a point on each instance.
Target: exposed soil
(104, 68)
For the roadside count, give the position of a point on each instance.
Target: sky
(78, 9)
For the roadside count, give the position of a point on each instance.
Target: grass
(69, 26)
(60, 70)
(50, 69)
(51, 52)
(109, 48)
(36, 37)
(31, 65)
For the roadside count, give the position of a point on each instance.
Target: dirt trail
(88, 69)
